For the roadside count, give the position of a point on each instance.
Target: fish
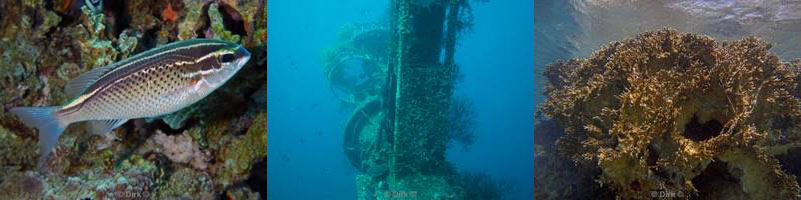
(150, 84)
(73, 7)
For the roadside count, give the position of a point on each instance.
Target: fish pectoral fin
(77, 86)
(100, 127)
(152, 119)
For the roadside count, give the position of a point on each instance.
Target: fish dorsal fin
(77, 86)
(100, 127)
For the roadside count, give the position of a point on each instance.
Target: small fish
(150, 84)
(71, 7)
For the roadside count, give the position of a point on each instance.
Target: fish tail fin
(49, 124)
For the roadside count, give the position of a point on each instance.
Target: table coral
(680, 114)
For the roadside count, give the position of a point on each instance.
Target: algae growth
(399, 80)
(209, 150)
(668, 114)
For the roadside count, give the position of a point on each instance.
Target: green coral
(95, 51)
(240, 154)
(50, 20)
(217, 25)
(669, 111)
(254, 17)
(17, 150)
(187, 183)
(199, 136)
(192, 19)
(241, 192)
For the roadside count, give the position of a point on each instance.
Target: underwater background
(307, 119)
(667, 99)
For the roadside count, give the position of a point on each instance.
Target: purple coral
(181, 149)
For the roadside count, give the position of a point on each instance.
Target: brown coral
(679, 113)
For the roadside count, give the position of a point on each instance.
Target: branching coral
(674, 112)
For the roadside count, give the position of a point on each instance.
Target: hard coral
(187, 183)
(236, 158)
(181, 149)
(21, 186)
(679, 112)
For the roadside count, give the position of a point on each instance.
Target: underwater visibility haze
(172, 94)
(400, 99)
(680, 99)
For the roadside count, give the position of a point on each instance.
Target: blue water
(306, 122)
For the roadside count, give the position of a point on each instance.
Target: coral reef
(180, 149)
(670, 114)
(186, 183)
(206, 151)
(136, 182)
(235, 157)
(555, 175)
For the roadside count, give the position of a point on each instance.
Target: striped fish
(150, 84)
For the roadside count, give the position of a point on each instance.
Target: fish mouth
(245, 55)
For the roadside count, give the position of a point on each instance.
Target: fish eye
(226, 58)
